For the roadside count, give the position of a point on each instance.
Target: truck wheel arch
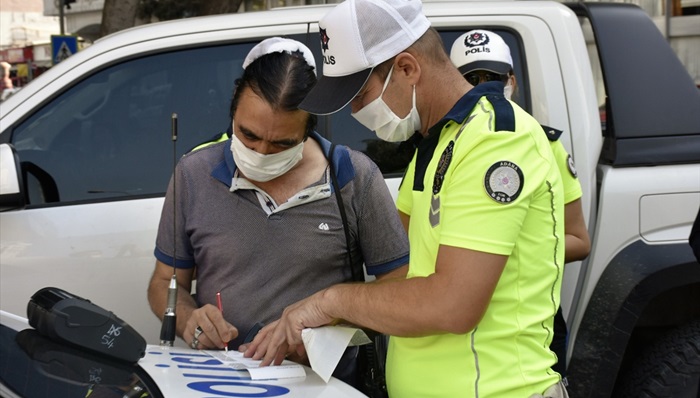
(635, 277)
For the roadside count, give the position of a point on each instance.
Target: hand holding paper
(325, 346)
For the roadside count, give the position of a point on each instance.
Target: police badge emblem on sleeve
(504, 181)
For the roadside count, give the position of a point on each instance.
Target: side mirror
(11, 196)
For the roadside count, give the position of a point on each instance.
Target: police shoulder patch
(504, 181)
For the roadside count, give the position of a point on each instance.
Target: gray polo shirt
(260, 260)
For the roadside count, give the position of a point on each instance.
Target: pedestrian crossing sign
(63, 47)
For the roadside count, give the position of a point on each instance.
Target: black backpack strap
(357, 273)
(370, 367)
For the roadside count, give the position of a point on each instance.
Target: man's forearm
(399, 307)
(451, 300)
(185, 306)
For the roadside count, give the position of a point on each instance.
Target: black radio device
(67, 318)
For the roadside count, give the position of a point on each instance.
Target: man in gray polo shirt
(256, 217)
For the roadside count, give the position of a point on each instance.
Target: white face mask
(379, 117)
(259, 167)
(508, 91)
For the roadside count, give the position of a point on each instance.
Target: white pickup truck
(86, 154)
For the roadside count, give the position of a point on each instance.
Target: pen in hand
(221, 308)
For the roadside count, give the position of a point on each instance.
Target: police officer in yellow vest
(482, 201)
(482, 56)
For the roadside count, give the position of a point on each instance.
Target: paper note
(325, 346)
(236, 360)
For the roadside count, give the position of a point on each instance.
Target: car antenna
(167, 330)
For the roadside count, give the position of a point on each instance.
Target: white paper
(236, 360)
(325, 346)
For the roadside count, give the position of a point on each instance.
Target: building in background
(83, 18)
(25, 38)
(23, 23)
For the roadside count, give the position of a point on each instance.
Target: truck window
(595, 68)
(108, 136)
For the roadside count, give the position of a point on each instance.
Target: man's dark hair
(281, 79)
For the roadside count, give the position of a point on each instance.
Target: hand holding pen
(207, 329)
(251, 333)
(221, 308)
